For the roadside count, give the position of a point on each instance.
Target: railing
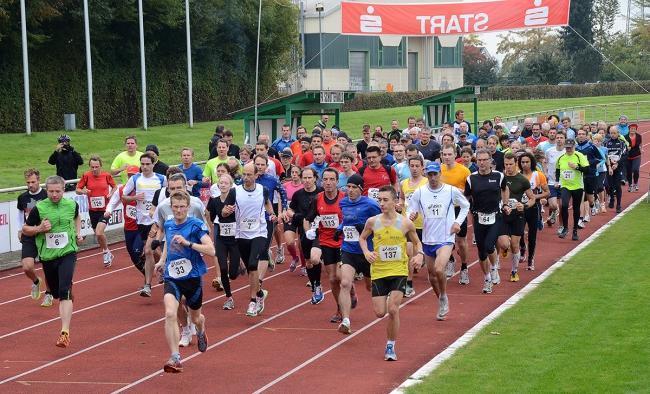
(634, 110)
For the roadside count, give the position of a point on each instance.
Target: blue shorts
(554, 192)
(432, 250)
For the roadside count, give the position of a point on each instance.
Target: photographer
(67, 160)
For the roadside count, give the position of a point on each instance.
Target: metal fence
(609, 113)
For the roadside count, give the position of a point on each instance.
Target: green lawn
(22, 151)
(585, 329)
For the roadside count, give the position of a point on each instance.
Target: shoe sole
(251, 314)
(390, 358)
(202, 345)
(171, 369)
(144, 294)
(62, 345)
(317, 302)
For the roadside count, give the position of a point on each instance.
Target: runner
(441, 224)
(408, 186)
(489, 193)
(389, 262)
(512, 227)
(209, 171)
(555, 195)
(356, 209)
(292, 186)
(252, 201)
(98, 186)
(456, 174)
(182, 266)
(192, 171)
(145, 185)
(569, 170)
(56, 225)
(326, 208)
(616, 153)
(593, 156)
(533, 215)
(130, 157)
(26, 202)
(376, 175)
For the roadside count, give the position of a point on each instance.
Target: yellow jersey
(390, 245)
(408, 192)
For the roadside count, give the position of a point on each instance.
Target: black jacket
(67, 161)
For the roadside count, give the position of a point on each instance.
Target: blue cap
(433, 166)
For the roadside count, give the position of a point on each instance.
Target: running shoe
(560, 230)
(216, 283)
(64, 340)
(202, 341)
(229, 304)
(595, 209)
(611, 203)
(451, 267)
(186, 336)
(443, 307)
(564, 233)
(344, 327)
(48, 300)
(303, 271)
(145, 291)
(464, 277)
(574, 236)
(173, 366)
(389, 354)
(260, 301)
(487, 287)
(279, 256)
(252, 309)
(108, 259)
(629, 188)
(636, 187)
(271, 262)
(619, 209)
(522, 256)
(336, 318)
(494, 275)
(552, 217)
(531, 265)
(318, 296)
(410, 291)
(587, 218)
(514, 276)
(293, 265)
(581, 224)
(308, 284)
(36, 290)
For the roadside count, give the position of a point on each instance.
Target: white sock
(346, 321)
(487, 277)
(515, 261)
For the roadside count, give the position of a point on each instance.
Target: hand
(20, 235)
(519, 207)
(399, 206)
(59, 147)
(80, 238)
(180, 240)
(543, 201)
(417, 261)
(206, 180)
(273, 218)
(506, 209)
(455, 228)
(228, 210)
(573, 166)
(289, 213)
(107, 214)
(370, 256)
(139, 196)
(159, 267)
(45, 226)
(310, 234)
(413, 216)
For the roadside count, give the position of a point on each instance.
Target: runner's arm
(33, 225)
(112, 202)
(128, 188)
(531, 198)
(206, 246)
(463, 203)
(363, 240)
(161, 262)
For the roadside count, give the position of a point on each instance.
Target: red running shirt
(99, 188)
(330, 216)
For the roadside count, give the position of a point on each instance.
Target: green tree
(603, 18)
(479, 67)
(576, 39)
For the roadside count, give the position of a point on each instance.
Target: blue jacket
(273, 184)
(356, 214)
(280, 144)
(194, 173)
(593, 156)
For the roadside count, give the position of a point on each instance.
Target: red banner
(452, 18)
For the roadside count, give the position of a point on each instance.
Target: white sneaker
(260, 301)
(560, 230)
(252, 309)
(494, 274)
(497, 264)
(192, 327)
(587, 218)
(229, 304)
(464, 277)
(410, 291)
(451, 268)
(279, 256)
(108, 259)
(487, 287)
(443, 307)
(186, 336)
(581, 224)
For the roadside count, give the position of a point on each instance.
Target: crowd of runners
(372, 213)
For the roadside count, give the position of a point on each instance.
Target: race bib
(373, 193)
(350, 234)
(435, 211)
(179, 268)
(97, 202)
(56, 240)
(486, 218)
(329, 221)
(568, 175)
(227, 229)
(147, 205)
(390, 253)
(512, 203)
(614, 158)
(131, 212)
(250, 224)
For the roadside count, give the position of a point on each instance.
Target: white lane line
(111, 339)
(446, 354)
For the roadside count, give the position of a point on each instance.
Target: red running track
(118, 339)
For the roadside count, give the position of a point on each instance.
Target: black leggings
(486, 236)
(225, 250)
(135, 248)
(531, 215)
(614, 186)
(576, 200)
(633, 168)
(251, 251)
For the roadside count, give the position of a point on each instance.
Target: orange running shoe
(64, 340)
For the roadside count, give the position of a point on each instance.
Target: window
(448, 56)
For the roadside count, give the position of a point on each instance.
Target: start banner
(456, 18)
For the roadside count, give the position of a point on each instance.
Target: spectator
(158, 167)
(460, 118)
(394, 130)
(233, 150)
(363, 144)
(623, 128)
(212, 145)
(66, 160)
(528, 128)
(322, 123)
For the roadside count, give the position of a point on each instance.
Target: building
(371, 63)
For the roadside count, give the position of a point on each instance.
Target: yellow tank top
(390, 244)
(408, 192)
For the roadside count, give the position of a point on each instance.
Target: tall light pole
(257, 65)
(89, 69)
(189, 62)
(23, 29)
(143, 73)
(320, 8)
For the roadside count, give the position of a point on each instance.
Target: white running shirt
(249, 212)
(148, 186)
(551, 160)
(437, 209)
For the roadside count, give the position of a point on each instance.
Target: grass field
(585, 329)
(22, 151)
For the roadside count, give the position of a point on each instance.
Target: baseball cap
(514, 129)
(64, 138)
(433, 166)
(131, 170)
(356, 179)
(286, 152)
(570, 142)
(152, 148)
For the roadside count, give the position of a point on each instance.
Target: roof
(278, 106)
(462, 93)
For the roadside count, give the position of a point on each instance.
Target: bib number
(56, 240)
(512, 203)
(97, 202)
(568, 175)
(486, 218)
(147, 205)
(435, 211)
(227, 229)
(350, 234)
(329, 221)
(614, 158)
(390, 253)
(250, 224)
(131, 212)
(373, 193)
(179, 268)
